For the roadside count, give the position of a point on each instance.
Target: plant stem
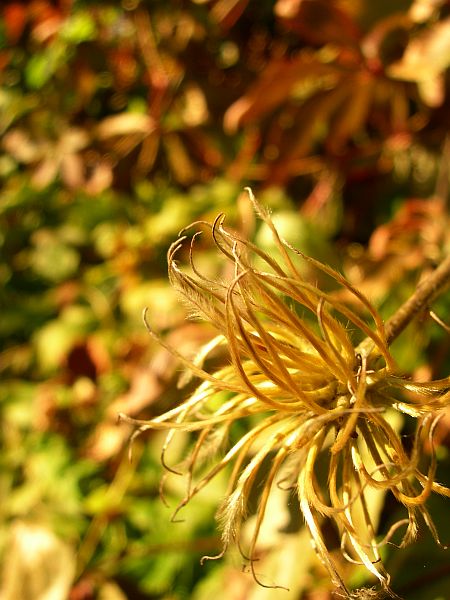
(426, 291)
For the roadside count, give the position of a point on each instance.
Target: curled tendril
(312, 388)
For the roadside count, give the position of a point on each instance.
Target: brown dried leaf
(73, 139)
(148, 153)
(426, 57)
(422, 10)
(353, 114)
(19, 145)
(318, 21)
(204, 147)
(416, 220)
(227, 12)
(302, 138)
(100, 179)
(180, 162)
(72, 170)
(432, 91)
(45, 173)
(124, 124)
(273, 88)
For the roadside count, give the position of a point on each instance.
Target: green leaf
(43, 65)
(54, 260)
(79, 28)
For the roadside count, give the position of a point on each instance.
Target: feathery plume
(298, 366)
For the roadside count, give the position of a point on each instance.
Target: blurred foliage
(122, 122)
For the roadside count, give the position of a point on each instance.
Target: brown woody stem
(425, 293)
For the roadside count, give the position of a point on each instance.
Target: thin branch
(425, 293)
(439, 321)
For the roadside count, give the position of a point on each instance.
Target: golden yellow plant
(315, 379)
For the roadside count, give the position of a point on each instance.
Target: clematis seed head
(317, 378)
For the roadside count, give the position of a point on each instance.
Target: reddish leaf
(352, 116)
(424, 61)
(303, 137)
(273, 88)
(227, 12)
(15, 18)
(318, 21)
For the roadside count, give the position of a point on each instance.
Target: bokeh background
(122, 122)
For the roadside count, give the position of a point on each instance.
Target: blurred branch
(439, 321)
(425, 293)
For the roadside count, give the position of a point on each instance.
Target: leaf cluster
(121, 122)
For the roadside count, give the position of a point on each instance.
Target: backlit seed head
(316, 376)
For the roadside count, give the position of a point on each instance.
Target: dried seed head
(296, 361)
